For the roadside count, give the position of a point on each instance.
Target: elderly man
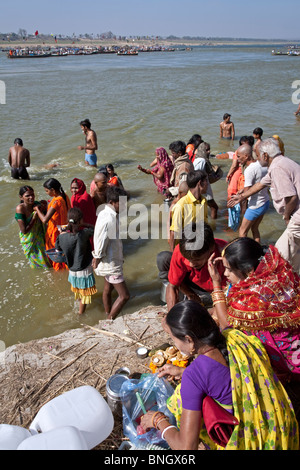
(258, 204)
(98, 190)
(283, 178)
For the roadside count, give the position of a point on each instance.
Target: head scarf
(84, 201)
(163, 160)
(267, 299)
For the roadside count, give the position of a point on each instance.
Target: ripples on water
(135, 104)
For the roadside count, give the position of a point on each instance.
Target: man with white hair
(283, 178)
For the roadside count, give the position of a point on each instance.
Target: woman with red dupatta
(263, 299)
(80, 198)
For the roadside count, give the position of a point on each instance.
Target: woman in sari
(192, 146)
(80, 198)
(56, 216)
(233, 370)
(162, 171)
(262, 299)
(32, 233)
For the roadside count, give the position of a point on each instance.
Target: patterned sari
(163, 161)
(267, 304)
(33, 243)
(266, 417)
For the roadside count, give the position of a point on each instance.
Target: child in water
(74, 242)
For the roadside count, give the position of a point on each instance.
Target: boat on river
(24, 54)
(127, 52)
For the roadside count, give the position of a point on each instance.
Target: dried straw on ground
(35, 372)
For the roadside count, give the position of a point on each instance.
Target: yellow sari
(266, 417)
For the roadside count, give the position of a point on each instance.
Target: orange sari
(60, 217)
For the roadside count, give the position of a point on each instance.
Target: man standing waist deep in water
(19, 160)
(90, 143)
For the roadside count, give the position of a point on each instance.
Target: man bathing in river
(19, 160)
(90, 143)
(227, 128)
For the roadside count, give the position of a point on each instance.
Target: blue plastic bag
(154, 392)
(234, 214)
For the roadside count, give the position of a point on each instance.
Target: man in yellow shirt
(190, 208)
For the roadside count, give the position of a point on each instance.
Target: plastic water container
(64, 438)
(11, 436)
(84, 408)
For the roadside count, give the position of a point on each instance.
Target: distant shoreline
(39, 42)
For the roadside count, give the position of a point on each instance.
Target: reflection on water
(135, 105)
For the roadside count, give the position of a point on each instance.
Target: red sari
(84, 201)
(267, 304)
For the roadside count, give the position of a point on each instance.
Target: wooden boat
(32, 55)
(127, 53)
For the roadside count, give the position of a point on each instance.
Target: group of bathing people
(239, 317)
(246, 291)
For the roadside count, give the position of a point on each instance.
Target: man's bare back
(19, 160)
(18, 156)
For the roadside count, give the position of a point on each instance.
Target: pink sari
(163, 161)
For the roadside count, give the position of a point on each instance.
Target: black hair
(247, 139)
(85, 123)
(24, 189)
(18, 141)
(178, 146)
(110, 167)
(102, 169)
(192, 235)
(258, 131)
(53, 183)
(195, 140)
(226, 115)
(189, 318)
(193, 178)
(244, 254)
(113, 193)
(74, 217)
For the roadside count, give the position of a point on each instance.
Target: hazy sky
(217, 18)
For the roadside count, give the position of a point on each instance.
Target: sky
(259, 19)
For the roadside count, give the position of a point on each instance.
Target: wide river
(135, 104)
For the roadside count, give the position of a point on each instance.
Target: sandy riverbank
(35, 372)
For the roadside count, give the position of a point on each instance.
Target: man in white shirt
(108, 253)
(258, 204)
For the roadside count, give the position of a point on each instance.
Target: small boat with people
(25, 54)
(127, 52)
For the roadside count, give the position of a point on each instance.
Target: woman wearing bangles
(262, 299)
(235, 373)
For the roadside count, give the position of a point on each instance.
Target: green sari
(33, 243)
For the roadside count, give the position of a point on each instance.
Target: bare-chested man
(90, 143)
(98, 190)
(227, 128)
(19, 160)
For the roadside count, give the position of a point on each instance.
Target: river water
(135, 104)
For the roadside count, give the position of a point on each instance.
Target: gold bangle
(164, 418)
(219, 302)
